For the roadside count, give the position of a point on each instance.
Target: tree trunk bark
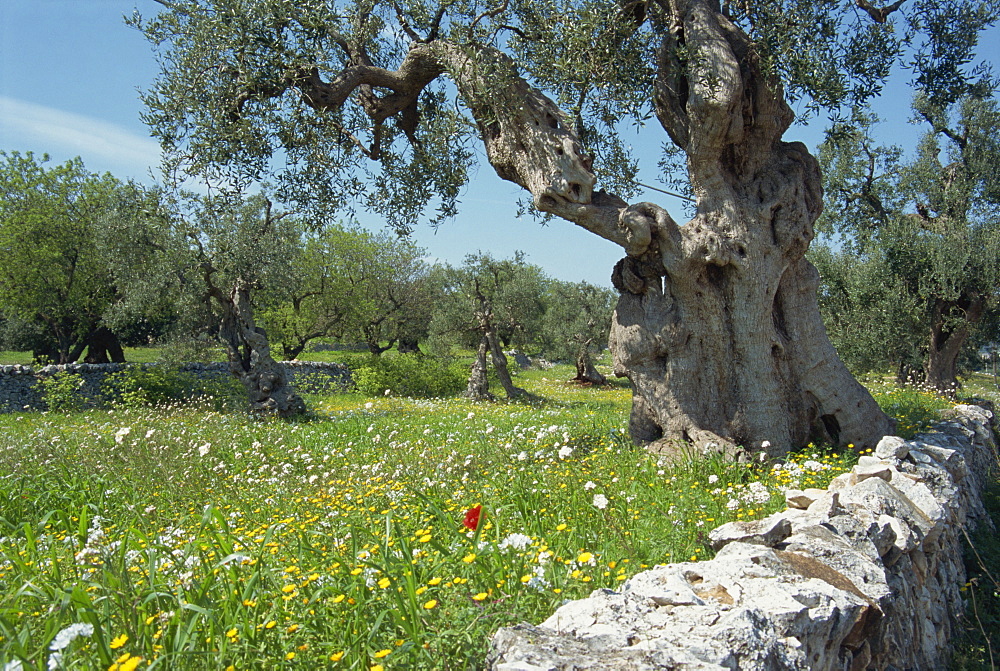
(408, 346)
(951, 323)
(478, 388)
(264, 379)
(585, 371)
(103, 347)
(290, 351)
(500, 363)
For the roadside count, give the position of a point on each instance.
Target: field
(382, 533)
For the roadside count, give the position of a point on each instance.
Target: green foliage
(55, 279)
(408, 375)
(63, 392)
(576, 315)
(156, 385)
(913, 407)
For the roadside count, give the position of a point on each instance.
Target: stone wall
(20, 389)
(863, 575)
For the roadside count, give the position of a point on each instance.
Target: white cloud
(102, 146)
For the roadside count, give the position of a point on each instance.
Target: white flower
(589, 485)
(13, 665)
(121, 433)
(564, 452)
(55, 661)
(388, 391)
(369, 405)
(600, 501)
(149, 434)
(515, 541)
(203, 450)
(470, 415)
(69, 634)
(733, 504)
(766, 444)
(712, 479)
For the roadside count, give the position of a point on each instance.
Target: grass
(188, 538)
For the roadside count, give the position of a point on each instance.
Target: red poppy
(471, 520)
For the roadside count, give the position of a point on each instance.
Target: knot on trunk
(634, 276)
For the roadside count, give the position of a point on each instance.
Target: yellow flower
(338, 598)
(430, 604)
(287, 589)
(337, 656)
(434, 581)
(248, 603)
(290, 655)
(119, 641)
(376, 667)
(382, 653)
(292, 628)
(232, 633)
(270, 624)
(479, 597)
(469, 558)
(425, 538)
(383, 583)
(561, 527)
(584, 557)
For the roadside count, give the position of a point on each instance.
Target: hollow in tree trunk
(264, 379)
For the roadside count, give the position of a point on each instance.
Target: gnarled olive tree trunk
(250, 361)
(951, 324)
(718, 326)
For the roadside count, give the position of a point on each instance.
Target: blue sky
(70, 72)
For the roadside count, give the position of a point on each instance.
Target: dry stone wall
(863, 575)
(20, 389)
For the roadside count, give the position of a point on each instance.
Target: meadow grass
(185, 538)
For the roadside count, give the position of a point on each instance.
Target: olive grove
(380, 104)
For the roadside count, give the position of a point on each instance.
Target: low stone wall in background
(865, 574)
(20, 389)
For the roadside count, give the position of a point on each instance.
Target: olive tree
(214, 254)
(55, 282)
(576, 325)
(717, 326)
(488, 304)
(931, 223)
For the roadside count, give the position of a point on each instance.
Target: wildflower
(469, 558)
(586, 558)
(382, 653)
(337, 656)
(430, 604)
(290, 656)
(472, 515)
(270, 624)
(712, 479)
(376, 667)
(434, 581)
(383, 583)
(203, 450)
(589, 485)
(119, 641)
(232, 634)
(479, 597)
(68, 634)
(565, 452)
(600, 501)
(516, 541)
(292, 629)
(121, 433)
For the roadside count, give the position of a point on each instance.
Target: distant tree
(55, 283)
(351, 282)
(931, 224)
(488, 304)
(576, 325)
(214, 254)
